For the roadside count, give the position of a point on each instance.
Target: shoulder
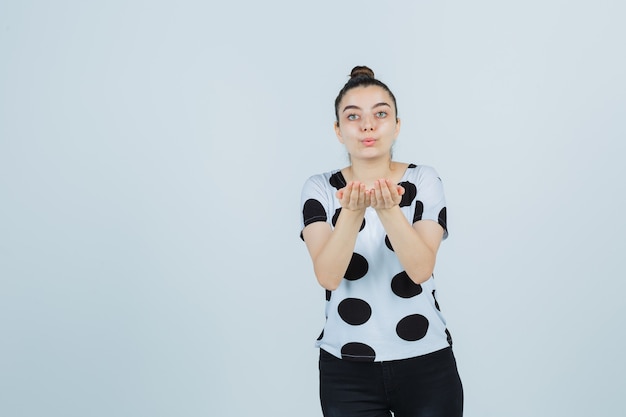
(331, 179)
(421, 172)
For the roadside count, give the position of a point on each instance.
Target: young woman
(373, 230)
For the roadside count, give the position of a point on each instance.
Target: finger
(395, 191)
(395, 194)
(385, 191)
(375, 194)
(345, 194)
(354, 191)
(360, 195)
(368, 198)
(371, 197)
(354, 195)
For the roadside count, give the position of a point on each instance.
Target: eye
(352, 116)
(381, 114)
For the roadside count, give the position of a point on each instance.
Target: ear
(338, 132)
(398, 123)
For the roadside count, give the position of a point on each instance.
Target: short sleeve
(315, 201)
(430, 202)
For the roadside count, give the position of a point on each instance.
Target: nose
(368, 123)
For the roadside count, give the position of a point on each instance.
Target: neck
(369, 171)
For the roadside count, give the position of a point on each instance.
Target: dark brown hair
(362, 76)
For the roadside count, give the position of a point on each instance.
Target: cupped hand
(354, 196)
(385, 195)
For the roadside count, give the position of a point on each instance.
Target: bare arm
(415, 245)
(331, 249)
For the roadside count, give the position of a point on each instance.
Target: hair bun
(361, 71)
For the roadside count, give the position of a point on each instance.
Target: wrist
(387, 211)
(360, 212)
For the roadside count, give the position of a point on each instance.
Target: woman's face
(367, 123)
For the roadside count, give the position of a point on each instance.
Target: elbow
(420, 269)
(328, 285)
(421, 273)
(328, 281)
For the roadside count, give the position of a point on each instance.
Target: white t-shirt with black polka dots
(377, 313)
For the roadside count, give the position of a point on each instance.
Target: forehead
(366, 97)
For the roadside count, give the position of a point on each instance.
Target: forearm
(416, 257)
(332, 261)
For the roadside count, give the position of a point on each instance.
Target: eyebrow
(349, 107)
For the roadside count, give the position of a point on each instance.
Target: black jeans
(424, 386)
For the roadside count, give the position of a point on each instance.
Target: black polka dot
(412, 328)
(321, 335)
(354, 311)
(410, 191)
(337, 180)
(419, 211)
(388, 243)
(313, 211)
(358, 352)
(328, 294)
(436, 303)
(403, 286)
(412, 166)
(357, 268)
(336, 217)
(443, 218)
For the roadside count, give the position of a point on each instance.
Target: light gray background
(151, 161)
